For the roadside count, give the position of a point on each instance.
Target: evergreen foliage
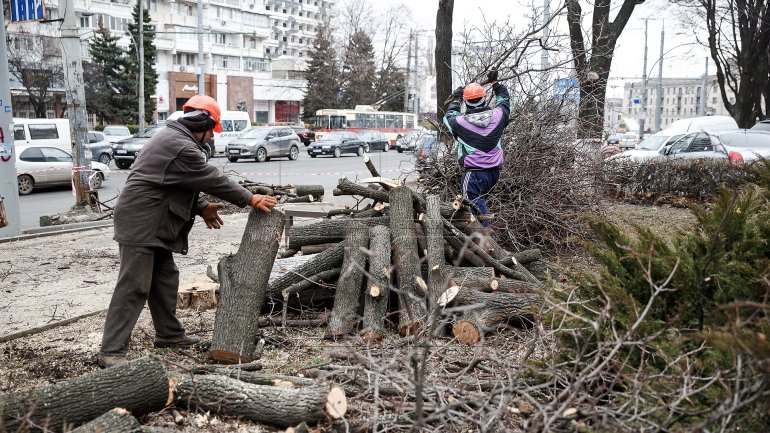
(150, 59)
(390, 81)
(358, 72)
(109, 88)
(322, 75)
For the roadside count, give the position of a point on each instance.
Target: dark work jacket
(160, 199)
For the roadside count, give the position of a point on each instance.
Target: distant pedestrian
(152, 219)
(478, 133)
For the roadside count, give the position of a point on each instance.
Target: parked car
(125, 151)
(735, 145)
(426, 151)
(762, 125)
(336, 143)
(305, 135)
(115, 133)
(407, 141)
(42, 166)
(614, 139)
(101, 149)
(628, 140)
(264, 143)
(375, 140)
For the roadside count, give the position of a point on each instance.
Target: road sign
(27, 10)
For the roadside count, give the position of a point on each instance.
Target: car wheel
(313, 156)
(386, 148)
(121, 164)
(26, 184)
(261, 155)
(97, 180)
(400, 150)
(232, 158)
(104, 158)
(337, 152)
(294, 153)
(360, 151)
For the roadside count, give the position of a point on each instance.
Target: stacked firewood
(283, 194)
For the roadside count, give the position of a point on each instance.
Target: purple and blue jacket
(478, 131)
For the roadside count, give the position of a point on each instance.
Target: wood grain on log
(406, 260)
(243, 279)
(349, 188)
(377, 291)
(315, 249)
(434, 233)
(317, 191)
(197, 297)
(267, 404)
(326, 231)
(329, 259)
(139, 386)
(422, 243)
(347, 299)
(324, 277)
(117, 420)
(522, 257)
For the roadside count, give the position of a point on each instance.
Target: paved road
(322, 170)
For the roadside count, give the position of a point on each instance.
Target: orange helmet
(209, 105)
(473, 91)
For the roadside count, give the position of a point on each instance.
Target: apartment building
(253, 50)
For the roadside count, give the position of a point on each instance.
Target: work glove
(262, 202)
(458, 93)
(211, 217)
(492, 76)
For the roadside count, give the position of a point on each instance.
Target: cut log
(422, 243)
(273, 405)
(522, 257)
(243, 278)
(473, 274)
(377, 291)
(139, 386)
(377, 210)
(315, 249)
(117, 420)
(406, 261)
(487, 311)
(257, 189)
(347, 299)
(371, 167)
(434, 233)
(513, 286)
(346, 211)
(285, 254)
(326, 231)
(325, 277)
(266, 379)
(346, 187)
(462, 250)
(310, 198)
(317, 191)
(384, 182)
(197, 297)
(329, 259)
(539, 269)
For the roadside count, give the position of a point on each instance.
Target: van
(704, 123)
(233, 124)
(42, 132)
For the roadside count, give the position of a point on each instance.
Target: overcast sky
(682, 57)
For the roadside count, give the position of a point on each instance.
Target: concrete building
(253, 50)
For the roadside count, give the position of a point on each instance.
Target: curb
(39, 232)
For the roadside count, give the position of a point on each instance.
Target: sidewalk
(64, 275)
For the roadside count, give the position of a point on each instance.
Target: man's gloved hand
(262, 202)
(492, 76)
(458, 93)
(211, 217)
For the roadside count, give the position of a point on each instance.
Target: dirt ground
(69, 351)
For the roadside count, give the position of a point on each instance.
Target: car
(263, 143)
(628, 140)
(42, 166)
(426, 151)
(336, 143)
(762, 125)
(614, 139)
(375, 140)
(407, 141)
(125, 151)
(115, 133)
(735, 145)
(305, 135)
(101, 149)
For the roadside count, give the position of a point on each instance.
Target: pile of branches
(283, 194)
(546, 182)
(657, 180)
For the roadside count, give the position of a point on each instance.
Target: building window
(284, 39)
(267, 50)
(284, 24)
(85, 22)
(284, 11)
(254, 64)
(252, 43)
(284, 52)
(267, 7)
(292, 38)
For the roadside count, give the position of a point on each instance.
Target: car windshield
(425, 139)
(116, 131)
(367, 135)
(333, 136)
(147, 133)
(256, 133)
(652, 142)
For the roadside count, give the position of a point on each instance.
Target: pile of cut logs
(403, 255)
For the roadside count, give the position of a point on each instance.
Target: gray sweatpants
(146, 274)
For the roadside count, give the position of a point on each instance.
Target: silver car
(735, 145)
(101, 148)
(263, 143)
(40, 166)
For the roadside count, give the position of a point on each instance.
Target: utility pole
(201, 62)
(408, 74)
(659, 104)
(644, 85)
(141, 64)
(703, 92)
(546, 33)
(10, 218)
(76, 101)
(415, 107)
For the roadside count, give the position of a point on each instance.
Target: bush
(133, 129)
(99, 127)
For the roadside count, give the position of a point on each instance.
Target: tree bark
(373, 169)
(377, 292)
(197, 298)
(346, 187)
(347, 299)
(539, 269)
(406, 260)
(462, 250)
(326, 231)
(329, 276)
(139, 386)
(422, 243)
(434, 232)
(443, 55)
(315, 249)
(265, 379)
(317, 191)
(522, 257)
(261, 403)
(117, 420)
(329, 259)
(301, 199)
(243, 288)
(472, 273)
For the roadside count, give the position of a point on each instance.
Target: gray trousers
(146, 274)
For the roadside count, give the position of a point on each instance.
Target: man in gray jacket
(152, 219)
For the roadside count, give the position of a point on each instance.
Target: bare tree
(35, 63)
(443, 55)
(393, 34)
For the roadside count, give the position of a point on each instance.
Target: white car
(115, 133)
(41, 166)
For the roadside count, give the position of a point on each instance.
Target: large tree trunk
(378, 285)
(406, 261)
(274, 405)
(117, 420)
(347, 299)
(434, 232)
(329, 259)
(443, 55)
(243, 281)
(140, 386)
(327, 231)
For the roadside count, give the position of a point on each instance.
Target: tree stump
(348, 296)
(377, 291)
(197, 296)
(326, 231)
(139, 386)
(406, 261)
(243, 278)
(117, 420)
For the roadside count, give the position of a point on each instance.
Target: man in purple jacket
(478, 133)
